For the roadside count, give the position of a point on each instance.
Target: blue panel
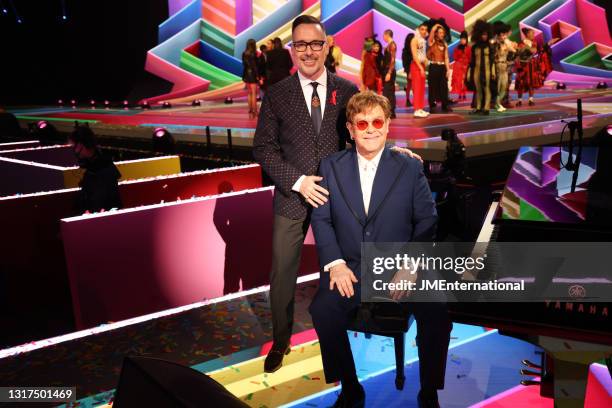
(189, 14)
(170, 50)
(271, 23)
(220, 59)
(329, 7)
(346, 15)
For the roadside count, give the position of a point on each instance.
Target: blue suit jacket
(401, 206)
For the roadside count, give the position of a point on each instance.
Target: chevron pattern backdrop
(200, 44)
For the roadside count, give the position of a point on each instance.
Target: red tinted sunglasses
(363, 124)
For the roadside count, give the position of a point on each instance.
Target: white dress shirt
(307, 91)
(367, 172)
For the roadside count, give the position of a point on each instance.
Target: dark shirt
(99, 185)
(279, 65)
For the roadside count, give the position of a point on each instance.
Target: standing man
(389, 69)
(301, 121)
(334, 56)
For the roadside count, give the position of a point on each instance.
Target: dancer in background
(439, 69)
(482, 66)
(503, 48)
(417, 70)
(532, 66)
(261, 68)
(371, 72)
(462, 56)
(406, 61)
(388, 74)
(250, 75)
(334, 56)
(279, 63)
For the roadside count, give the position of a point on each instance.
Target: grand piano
(539, 204)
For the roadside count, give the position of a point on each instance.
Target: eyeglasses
(363, 124)
(301, 46)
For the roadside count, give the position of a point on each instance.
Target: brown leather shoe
(274, 360)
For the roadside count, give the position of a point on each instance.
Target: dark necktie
(315, 108)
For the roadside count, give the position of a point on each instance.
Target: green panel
(217, 37)
(218, 78)
(48, 119)
(516, 12)
(529, 212)
(405, 15)
(588, 57)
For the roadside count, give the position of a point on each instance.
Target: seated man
(375, 195)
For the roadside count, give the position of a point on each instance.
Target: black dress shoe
(350, 400)
(428, 400)
(485, 112)
(475, 111)
(274, 360)
(447, 109)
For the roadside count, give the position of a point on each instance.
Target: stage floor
(525, 125)
(227, 338)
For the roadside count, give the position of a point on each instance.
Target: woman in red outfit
(532, 66)
(461, 56)
(370, 76)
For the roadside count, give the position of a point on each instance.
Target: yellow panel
(132, 169)
(284, 31)
(484, 10)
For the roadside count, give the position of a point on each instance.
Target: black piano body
(537, 205)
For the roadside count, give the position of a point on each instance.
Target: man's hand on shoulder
(313, 193)
(343, 278)
(407, 152)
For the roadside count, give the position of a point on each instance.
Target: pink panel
(307, 3)
(437, 9)
(182, 79)
(350, 38)
(468, 4)
(131, 263)
(35, 250)
(592, 20)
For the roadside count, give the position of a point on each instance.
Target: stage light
(45, 132)
(609, 130)
(561, 85)
(228, 100)
(196, 102)
(145, 105)
(92, 103)
(166, 105)
(602, 85)
(106, 104)
(163, 142)
(126, 104)
(73, 103)
(60, 102)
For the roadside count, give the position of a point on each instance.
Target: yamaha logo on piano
(596, 309)
(577, 291)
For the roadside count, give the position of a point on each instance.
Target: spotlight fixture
(145, 105)
(163, 142)
(60, 102)
(166, 105)
(45, 132)
(561, 85)
(196, 102)
(602, 85)
(228, 100)
(106, 104)
(126, 105)
(92, 103)
(73, 103)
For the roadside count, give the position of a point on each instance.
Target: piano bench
(388, 320)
